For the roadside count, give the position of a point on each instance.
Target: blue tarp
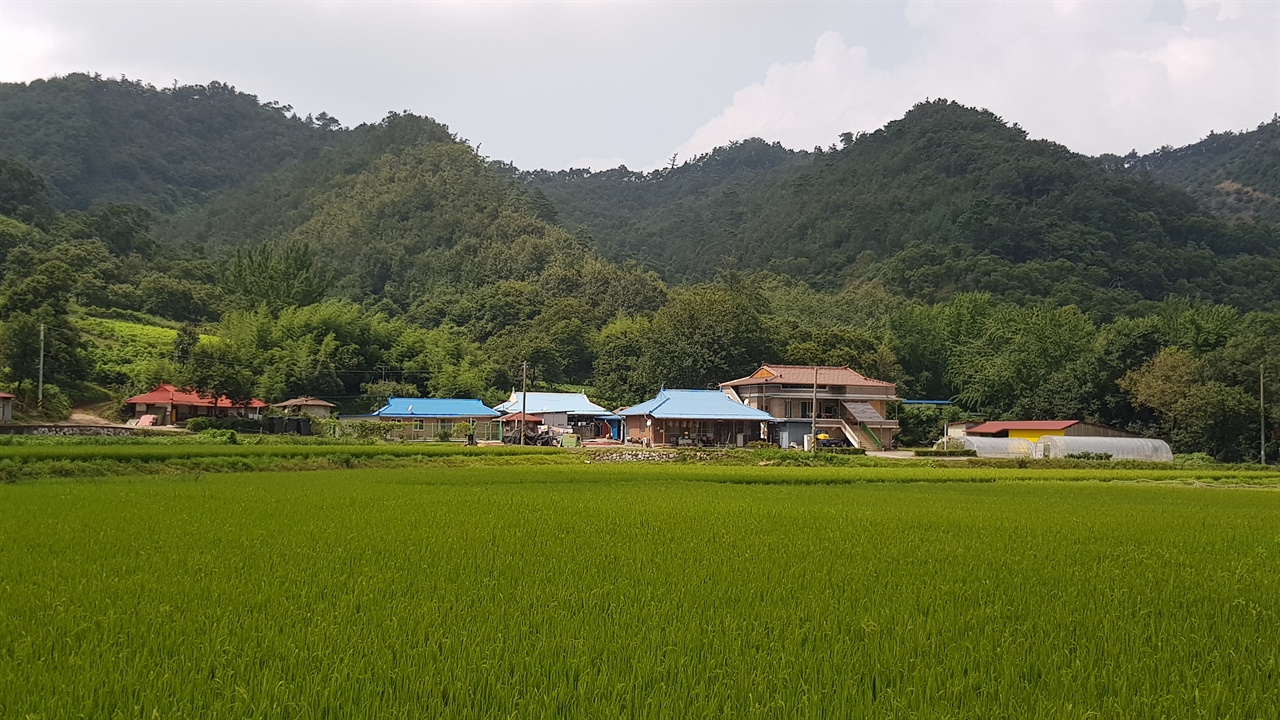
(695, 405)
(435, 408)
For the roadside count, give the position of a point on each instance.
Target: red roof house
(6, 407)
(172, 405)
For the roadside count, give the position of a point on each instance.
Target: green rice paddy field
(597, 591)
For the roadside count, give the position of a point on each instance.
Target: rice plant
(652, 591)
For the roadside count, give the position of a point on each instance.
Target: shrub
(1194, 460)
(229, 437)
(55, 406)
(945, 452)
(239, 424)
(1088, 456)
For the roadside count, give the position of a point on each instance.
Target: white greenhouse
(1119, 448)
(993, 447)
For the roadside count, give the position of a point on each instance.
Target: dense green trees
(946, 252)
(945, 201)
(99, 140)
(1236, 175)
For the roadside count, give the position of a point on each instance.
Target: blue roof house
(694, 417)
(434, 418)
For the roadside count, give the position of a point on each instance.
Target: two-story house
(849, 404)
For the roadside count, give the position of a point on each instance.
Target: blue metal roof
(695, 405)
(553, 402)
(435, 408)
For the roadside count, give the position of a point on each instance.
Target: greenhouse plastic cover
(996, 447)
(1053, 446)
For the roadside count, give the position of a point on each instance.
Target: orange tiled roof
(803, 375)
(166, 393)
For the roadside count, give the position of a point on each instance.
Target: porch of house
(427, 429)
(692, 432)
(857, 423)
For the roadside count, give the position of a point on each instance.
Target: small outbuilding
(6, 407)
(562, 412)
(1115, 448)
(693, 417)
(1033, 430)
(433, 418)
(309, 406)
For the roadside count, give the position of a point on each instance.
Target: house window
(419, 425)
(806, 408)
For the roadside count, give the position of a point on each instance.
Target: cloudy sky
(560, 84)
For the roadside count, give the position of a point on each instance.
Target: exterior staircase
(859, 436)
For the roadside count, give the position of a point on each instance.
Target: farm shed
(1033, 430)
(1128, 448)
(433, 417)
(562, 412)
(693, 417)
(6, 407)
(994, 447)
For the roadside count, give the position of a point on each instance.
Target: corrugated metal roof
(695, 405)
(1004, 426)
(435, 408)
(803, 375)
(7, 396)
(552, 402)
(863, 412)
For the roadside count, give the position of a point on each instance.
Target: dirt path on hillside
(80, 417)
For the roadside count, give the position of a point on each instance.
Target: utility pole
(813, 415)
(1262, 417)
(524, 397)
(40, 377)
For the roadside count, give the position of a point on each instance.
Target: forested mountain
(390, 258)
(98, 140)
(1234, 175)
(946, 200)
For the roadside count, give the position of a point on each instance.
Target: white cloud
(26, 50)
(1098, 77)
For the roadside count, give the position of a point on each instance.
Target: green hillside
(946, 200)
(97, 139)
(945, 252)
(1234, 175)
